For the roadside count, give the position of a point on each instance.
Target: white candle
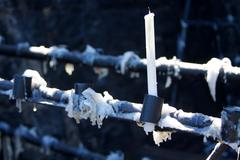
(151, 65)
(150, 54)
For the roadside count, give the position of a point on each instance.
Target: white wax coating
(150, 54)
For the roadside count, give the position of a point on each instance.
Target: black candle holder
(230, 117)
(22, 87)
(152, 109)
(80, 87)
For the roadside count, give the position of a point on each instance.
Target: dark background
(118, 26)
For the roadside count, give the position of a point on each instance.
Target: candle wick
(149, 11)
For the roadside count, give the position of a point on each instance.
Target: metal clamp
(152, 108)
(22, 87)
(230, 117)
(80, 87)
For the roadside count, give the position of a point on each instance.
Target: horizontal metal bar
(52, 143)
